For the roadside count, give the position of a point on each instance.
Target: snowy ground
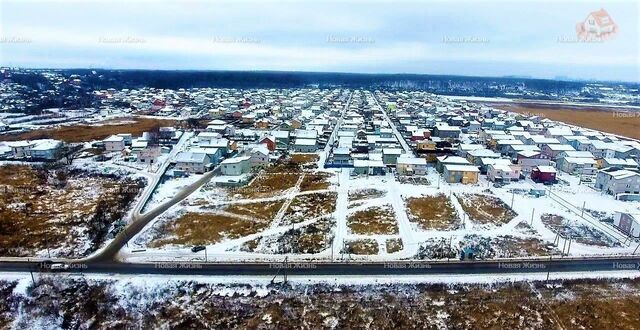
(526, 227)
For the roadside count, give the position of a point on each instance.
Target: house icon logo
(598, 26)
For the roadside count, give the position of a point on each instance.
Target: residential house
(409, 165)
(369, 167)
(450, 160)
(114, 143)
(627, 223)
(149, 155)
(305, 145)
(236, 165)
(551, 151)
(475, 156)
(544, 174)
(342, 156)
(615, 180)
(192, 162)
(617, 162)
(269, 141)
(503, 172)
(465, 174)
(577, 165)
(259, 156)
(390, 156)
(446, 132)
(282, 139)
(213, 154)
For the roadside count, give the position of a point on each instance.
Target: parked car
(197, 248)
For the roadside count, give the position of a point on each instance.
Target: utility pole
(332, 250)
(584, 204)
(532, 215)
(513, 197)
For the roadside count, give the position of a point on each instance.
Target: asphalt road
(456, 267)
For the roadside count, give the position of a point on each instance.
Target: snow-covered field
(522, 233)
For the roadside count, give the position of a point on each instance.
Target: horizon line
(515, 76)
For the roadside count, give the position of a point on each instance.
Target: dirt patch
(582, 234)
(85, 133)
(360, 194)
(366, 246)
(481, 247)
(433, 212)
(266, 185)
(260, 210)
(374, 220)
(394, 245)
(304, 159)
(205, 228)
(309, 206)
(315, 181)
(602, 119)
(486, 209)
(68, 213)
(310, 239)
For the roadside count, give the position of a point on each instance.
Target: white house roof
(453, 160)
(560, 147)
(47, 145)
(483, 153)
(190, 157)
(235, 160)
(580, 160)
(620, 162)
(547, 169)
(305, 142)
(114, 138)
(391, 151)
(412, 160)
(461, 168)
(19, 144)
(578, 154)
(621, 174)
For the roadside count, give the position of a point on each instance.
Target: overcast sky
(479, 38)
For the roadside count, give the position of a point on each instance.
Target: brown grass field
(305, 207)
(433, 212)
(315, 181)
(84, 133)
(207, 228)
(36, 215)
(602, 119)
(259, 210)
(268, 184)
(486, 209)
(366, 246)
(303, 159)
(394, 245)
(374, 220)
